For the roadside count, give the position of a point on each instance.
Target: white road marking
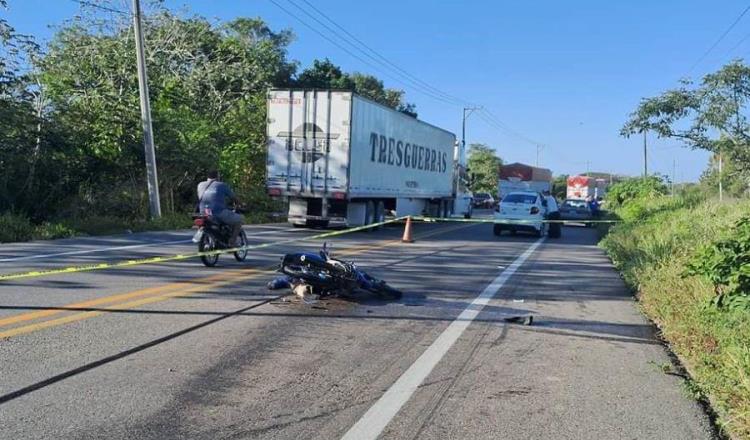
(374, 421)
(91, 251)
(132, 246)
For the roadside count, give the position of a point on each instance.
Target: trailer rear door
(308, 142)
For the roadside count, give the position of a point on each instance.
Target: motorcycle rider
(212, 197)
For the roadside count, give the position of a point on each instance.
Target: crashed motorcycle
(323, 275)
(214, 236)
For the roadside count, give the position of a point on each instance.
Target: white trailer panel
(308, 142)
(395, 155)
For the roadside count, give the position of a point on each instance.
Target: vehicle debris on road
(313, 276)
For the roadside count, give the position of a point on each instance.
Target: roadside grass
(17, 228)
(651, 250)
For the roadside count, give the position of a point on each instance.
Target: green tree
(560, 187)
(207, 83)
(324, 74)
(709, 116)
(483, 163)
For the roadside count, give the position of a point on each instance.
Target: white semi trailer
(344, 160)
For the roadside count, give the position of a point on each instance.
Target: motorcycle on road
(330, 276)
(214, 236)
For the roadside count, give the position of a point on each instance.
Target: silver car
(576, 210)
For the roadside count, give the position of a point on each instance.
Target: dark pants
(555, 228)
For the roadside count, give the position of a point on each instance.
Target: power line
(385, 59)
(719, 40)
(739, 43)
(100, 7)
(345, 49)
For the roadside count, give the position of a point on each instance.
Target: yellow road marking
(124, 306)
(171, 292)
(110, 299)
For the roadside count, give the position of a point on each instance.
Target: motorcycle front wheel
(242, 253)
(208, 244)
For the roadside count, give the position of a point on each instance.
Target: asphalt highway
(179, 351)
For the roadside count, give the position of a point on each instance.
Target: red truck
(581, 187)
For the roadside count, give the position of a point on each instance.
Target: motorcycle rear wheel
(208, 244)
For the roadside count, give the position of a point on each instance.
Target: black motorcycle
(214, 236)
(330, 276)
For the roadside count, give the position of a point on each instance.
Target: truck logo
(309, 140)
(391, 151)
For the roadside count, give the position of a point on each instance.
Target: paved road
(179, 351)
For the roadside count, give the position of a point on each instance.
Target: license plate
(198, 235)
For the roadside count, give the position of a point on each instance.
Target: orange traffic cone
(407, 232)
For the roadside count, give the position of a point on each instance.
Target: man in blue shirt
(212, 197)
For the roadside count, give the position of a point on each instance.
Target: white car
(522, 211)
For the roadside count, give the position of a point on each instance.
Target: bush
(51, 231)
(629, 190)
(165, 223)
(15, 228)
(726, 265)
(99, 225)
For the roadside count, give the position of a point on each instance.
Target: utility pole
(148, 136)
(674, 174)
(645, 156)
(721, 189)
(462, 155)
(588, 166)
(539, 149)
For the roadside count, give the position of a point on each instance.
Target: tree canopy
(710, 115)
(483, 163)
(70, 131)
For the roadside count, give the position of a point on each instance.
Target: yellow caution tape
(504, 221)
(164, 259)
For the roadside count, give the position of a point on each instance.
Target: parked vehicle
(344, 160)
(522, 211)
(576, 210)
(483, 200)
(521, 177)
(214, 236)
(582, 187)
(326, 275)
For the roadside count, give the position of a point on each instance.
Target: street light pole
(462, 156)
(148, 136)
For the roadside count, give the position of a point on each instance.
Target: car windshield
(575, 203)
(528, 199)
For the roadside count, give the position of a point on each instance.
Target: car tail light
(534, 210)
(339, 195)
(198, 222)
(274, 192)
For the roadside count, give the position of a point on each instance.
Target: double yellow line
(125, 301)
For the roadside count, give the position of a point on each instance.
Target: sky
(563, 75)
